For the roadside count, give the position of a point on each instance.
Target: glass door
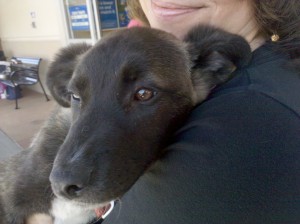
(89, 20)
(79, 21)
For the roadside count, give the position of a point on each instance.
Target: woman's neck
(255, 41)
(252, 34)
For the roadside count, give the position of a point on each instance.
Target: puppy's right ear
(215, 54)
(61, 70)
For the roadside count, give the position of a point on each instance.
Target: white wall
(16, 19)
(18, 36)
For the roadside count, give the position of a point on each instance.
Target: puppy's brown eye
(144, 94)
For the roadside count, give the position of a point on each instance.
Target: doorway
(89, 20)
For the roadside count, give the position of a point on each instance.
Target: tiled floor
(22, 124)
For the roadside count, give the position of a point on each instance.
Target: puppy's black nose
(67, 190)
(72, 190)
(67, 185)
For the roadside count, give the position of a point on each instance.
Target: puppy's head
(128, 94)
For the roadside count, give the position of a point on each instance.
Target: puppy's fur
(123, 99)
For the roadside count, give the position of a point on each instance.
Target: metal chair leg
(44, 90)
(16, 98)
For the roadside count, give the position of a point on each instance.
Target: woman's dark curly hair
(281, 17)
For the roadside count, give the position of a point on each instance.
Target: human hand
(39, 219)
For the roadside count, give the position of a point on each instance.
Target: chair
(4, 66)
(21, 71)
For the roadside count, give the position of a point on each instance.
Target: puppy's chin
(68, 211)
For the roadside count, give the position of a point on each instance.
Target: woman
(237, 158)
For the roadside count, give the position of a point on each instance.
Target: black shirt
(236, 160)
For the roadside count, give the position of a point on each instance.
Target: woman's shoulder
(267, 74)
(260, 104)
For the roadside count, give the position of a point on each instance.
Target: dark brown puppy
(127, 94)
(125, 106)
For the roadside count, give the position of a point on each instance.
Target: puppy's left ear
(61, 71)
(215, 55)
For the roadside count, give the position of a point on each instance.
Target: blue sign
(79, 18)
(108, 14)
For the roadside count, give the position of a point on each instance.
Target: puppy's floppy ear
(215, 55)
(61, 70)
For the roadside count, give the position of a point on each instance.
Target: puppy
(120, 101)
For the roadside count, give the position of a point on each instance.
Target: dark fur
(24, 179)
(108, 139)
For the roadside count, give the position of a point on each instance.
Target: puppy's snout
(67, 185)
